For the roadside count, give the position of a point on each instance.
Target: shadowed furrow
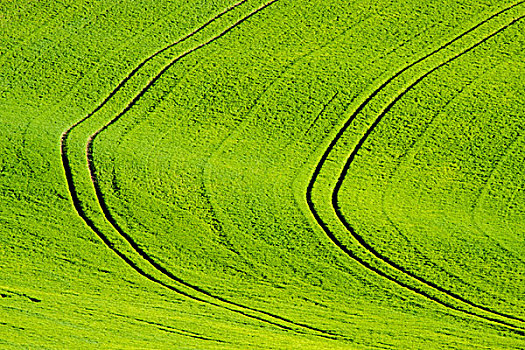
(109, 218)
(358, 238)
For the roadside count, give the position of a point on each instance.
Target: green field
(262, 175)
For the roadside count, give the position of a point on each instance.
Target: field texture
(262, 175)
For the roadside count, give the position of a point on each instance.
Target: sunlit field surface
(262, 175)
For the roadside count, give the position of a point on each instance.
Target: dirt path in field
(507, 320)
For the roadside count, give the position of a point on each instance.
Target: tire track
(325, 106)
(361, 241)
(352, 157)
(231, 306)
(65, 135)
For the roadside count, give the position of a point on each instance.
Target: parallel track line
(358, 238)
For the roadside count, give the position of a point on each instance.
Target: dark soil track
(507, 323)
(216, 300)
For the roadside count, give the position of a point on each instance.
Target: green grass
(290, 175)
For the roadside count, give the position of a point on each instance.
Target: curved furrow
(219, 301)
(358, 238)
(78, 207)
(65, 135)
(351, 158)
(65, 97)
(325, 106)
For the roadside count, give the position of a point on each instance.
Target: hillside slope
(276, 175)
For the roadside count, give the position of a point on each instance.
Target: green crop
(276, 175)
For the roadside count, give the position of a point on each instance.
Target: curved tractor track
(481, 311)
(205, 296)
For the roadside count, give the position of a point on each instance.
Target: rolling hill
(262, 175)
